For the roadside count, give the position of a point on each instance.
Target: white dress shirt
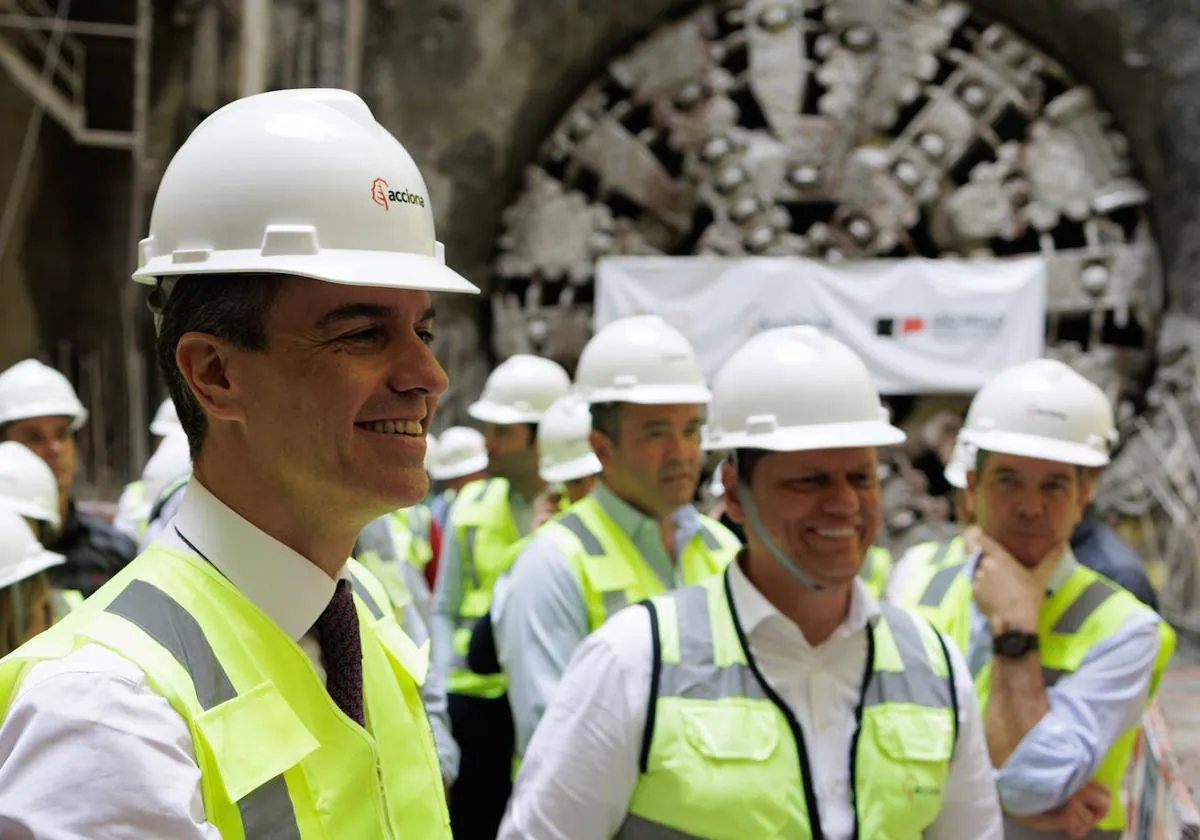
(88, 750)
(581, 767)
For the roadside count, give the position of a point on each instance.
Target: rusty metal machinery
(844, 130)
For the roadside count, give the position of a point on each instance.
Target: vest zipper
(810, 795)
(858, 716)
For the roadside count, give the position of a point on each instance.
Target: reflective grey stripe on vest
(940, 584)
(361, 591)
(1089, 600)
(591, 544)
(918, 684)
(942, 550)
(469, 556)
(709, 539)
(695, 676)
(267, 810)
(483, 491)
(614, 600)
(640, 828)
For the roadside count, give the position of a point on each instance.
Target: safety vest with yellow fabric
(724, 758)
(485, 531)
(410, 530)
(611, 571)
(277, 757)
(1084, 611)
(875, 570)
(927, 557)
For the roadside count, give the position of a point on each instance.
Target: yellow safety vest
(610, 569)
(875, 570)
(410, 530)
(1087, 609)
(277, 757)
(724, 758)
(927, 557)
(485, 531)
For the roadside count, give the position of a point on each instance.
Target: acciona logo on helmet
(383, 195)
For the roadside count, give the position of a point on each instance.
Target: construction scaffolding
(44, 51)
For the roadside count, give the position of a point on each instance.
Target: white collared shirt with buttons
(581, 767)
(88, 750)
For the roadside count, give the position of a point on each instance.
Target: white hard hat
(165, 419)
(460, 451)
(520, 390)
(793, 389)
(564, 451)
(21, 555)
(32, 389)
(1042, 409)
(301, 182)
(640, 359)
(961, 463)
(171, 460)
(431, 444)
(27, 484)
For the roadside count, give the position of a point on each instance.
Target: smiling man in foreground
(241, 677)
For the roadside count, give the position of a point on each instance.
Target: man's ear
(204, 361)
(733, 495)
(602, 446)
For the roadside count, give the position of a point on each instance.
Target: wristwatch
(1013, 644)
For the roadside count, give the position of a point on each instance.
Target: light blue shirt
(1089, 708)
(541, 617)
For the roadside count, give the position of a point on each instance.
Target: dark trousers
(484, 731)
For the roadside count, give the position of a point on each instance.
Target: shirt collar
(753, 609)
(288, 588)
(631, 520)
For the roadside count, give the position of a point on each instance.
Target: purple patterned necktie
(341, 648)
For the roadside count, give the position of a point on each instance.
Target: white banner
(921, 326)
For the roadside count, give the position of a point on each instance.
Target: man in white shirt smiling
(242, 678)
(780, 699)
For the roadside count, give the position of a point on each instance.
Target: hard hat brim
(807, 438)
(571, 470)
(501, 415)
(78, 414)
(24, 507)
(378, 269)
(459, 468)
(1031, 446)
(30, 566)
(956, 475)
(162, 428)
(650, 395)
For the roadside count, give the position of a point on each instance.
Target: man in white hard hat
(461, 458)
(486, 519)
(242, 677)
(636, 534)
(39, 408)
(778, 699)
(133, 506)
(1064, 660)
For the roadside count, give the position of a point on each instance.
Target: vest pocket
(914, 734)
(721, 733)
(253, 738)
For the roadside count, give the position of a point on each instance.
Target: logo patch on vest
(912, 790)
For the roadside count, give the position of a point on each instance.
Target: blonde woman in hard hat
(778, 699)
(636, 533)
(487, 518)
(39, 408)
(242, 677)
(27, 600)
(1065, 661)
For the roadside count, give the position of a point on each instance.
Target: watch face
(1014, 643)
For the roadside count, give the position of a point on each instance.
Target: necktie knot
(341, 648)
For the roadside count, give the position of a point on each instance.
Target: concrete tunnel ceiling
(923, 129)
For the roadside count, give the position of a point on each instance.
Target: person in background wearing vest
(1064, 660)
(919, 562)
(134, 505)
(459, 459)
(242, 677)
(39, 408)
(778, 699)
(636, 534)
(487, 518)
